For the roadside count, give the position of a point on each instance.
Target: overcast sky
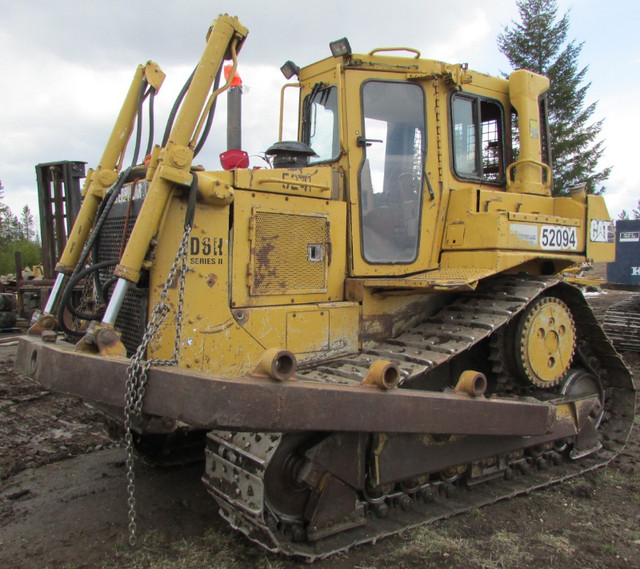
(65, 67)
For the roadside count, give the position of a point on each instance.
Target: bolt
(524, 467)
(298, 534)
(450, 490)
(428, 494)
(381, 510)
(405, 502)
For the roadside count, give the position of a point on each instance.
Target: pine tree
(539, 44)
(17, 235)
(9, 225)
(635, 212)
(27, 221)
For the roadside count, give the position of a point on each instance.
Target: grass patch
(222, 550)
(502, 550)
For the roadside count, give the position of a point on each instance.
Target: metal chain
(137, 371)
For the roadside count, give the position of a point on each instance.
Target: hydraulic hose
(66, 299)
(212, 112)
(176, 106)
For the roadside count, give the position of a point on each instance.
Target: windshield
(320, 123)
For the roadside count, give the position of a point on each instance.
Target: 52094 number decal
(558, 237)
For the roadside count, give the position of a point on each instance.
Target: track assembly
(313, 495)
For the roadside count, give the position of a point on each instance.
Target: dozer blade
(242, 403)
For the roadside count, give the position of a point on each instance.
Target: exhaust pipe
(234, 157)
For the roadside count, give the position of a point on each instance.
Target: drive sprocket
(545, 342)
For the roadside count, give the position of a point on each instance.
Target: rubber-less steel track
(622, 323)
(237, 462)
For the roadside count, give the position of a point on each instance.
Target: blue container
(626, 268)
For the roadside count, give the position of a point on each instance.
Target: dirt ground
(63, 504)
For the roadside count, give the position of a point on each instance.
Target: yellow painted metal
(175, 160)
(215, 188)
(277, 364)
(531, 174)
(275, 255)
(472, 383)
(383, 374)
(428, 249)
(211, 339)
(97, 182)
(281, 120)
(600, 231)
(102, 339)
(216, 338)
(546, 338)
(319, 182)
(313, 332)
(494, 261)
(436, 280)
(273, 243)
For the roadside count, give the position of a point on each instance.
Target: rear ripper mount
(315, 494)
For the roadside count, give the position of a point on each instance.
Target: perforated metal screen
(289, 254)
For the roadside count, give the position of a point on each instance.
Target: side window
(320, 123)
(391, 175)
(477, 134)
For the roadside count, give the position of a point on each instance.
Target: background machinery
(359, 330)
(622, 320)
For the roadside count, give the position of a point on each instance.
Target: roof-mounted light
(340, 47)
(289, 69)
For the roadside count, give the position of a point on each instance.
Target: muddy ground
(63, 505)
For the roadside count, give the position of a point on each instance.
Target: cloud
(67, 65)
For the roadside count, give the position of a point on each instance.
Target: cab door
(387, 140)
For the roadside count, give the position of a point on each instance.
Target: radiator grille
(114, 235)
(289, 254)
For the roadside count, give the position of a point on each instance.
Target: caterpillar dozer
(371, 333)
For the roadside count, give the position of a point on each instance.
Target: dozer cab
(362, 328)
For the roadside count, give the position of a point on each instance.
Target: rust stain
(264, 270)
(212, 279)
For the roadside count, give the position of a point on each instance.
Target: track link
(622, 323)
(237, 462)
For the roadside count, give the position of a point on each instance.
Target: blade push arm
(97, 183)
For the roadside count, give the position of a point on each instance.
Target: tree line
(17, 233)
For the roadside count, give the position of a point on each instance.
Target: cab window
(320, 123)
(477, 138)
(391, 174)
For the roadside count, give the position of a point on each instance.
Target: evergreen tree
(634, 212)
(10, 229)
(539, 44)
(17, 235)
(27, 224)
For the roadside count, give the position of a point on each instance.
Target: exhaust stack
(234, 157)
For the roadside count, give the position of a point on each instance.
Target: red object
(236, 81)
(234, 158)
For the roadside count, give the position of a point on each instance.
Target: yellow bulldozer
(354, 333)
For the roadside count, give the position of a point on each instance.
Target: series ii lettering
(206, 250)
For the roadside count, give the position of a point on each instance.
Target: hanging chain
(87, 300)
(137, 371)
